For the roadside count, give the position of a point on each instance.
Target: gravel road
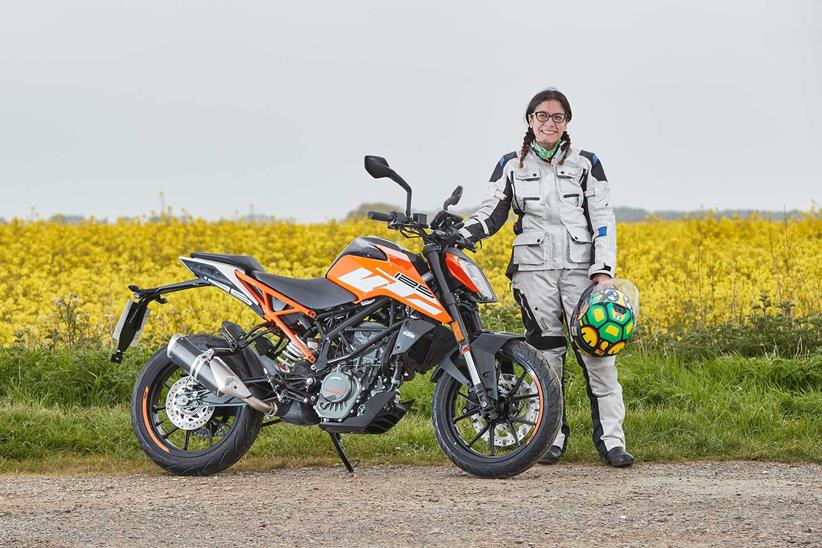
(688, 504)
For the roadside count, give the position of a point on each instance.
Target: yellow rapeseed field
(69, 281)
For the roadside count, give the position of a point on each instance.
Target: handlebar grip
(377, 216)
(469, 245)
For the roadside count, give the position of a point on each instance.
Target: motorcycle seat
(244, 262)
(313, 293)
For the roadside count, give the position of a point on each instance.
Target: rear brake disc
(182, 405)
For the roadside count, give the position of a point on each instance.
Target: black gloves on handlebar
(457, 239)
(467, 243)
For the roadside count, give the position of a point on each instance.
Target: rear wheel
(179, 434)
(521, 427)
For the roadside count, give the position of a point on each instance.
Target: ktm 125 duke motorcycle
(333, 352)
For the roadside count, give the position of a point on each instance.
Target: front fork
(432, 254)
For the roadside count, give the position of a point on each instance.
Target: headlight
(470, 275)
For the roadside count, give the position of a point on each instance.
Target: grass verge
(67, 411)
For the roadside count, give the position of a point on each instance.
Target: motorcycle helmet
(605, 318)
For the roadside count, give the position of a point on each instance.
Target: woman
(566, 241)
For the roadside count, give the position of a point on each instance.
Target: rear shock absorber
(292, 355)
(289, 357)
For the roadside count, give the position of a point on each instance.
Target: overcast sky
(219, 105)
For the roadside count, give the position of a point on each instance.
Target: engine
(352, 383)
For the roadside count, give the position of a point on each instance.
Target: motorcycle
(333, 352)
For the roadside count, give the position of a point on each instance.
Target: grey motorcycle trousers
(547, 299)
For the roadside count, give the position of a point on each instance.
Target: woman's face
(549, 132)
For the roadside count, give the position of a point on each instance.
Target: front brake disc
(525, 409)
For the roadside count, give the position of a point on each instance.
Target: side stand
(335, 439)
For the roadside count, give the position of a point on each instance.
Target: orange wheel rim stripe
(148, 424)
(539, 417)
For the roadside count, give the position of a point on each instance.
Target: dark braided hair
(565, 146)
(546, 95)
(526, 143)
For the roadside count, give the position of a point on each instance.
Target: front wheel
(524, 421)
(181, 435)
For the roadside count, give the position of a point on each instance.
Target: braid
(526, 142)
(565, 146)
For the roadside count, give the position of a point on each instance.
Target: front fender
(484, 348)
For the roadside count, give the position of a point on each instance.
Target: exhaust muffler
(213, 373)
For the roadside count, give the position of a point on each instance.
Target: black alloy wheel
(180, 434)
(508, 439)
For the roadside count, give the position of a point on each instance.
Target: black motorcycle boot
(552, 455)
(618, 457)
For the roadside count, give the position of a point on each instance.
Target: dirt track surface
(687, 504)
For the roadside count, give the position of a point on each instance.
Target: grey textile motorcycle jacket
(564, 217)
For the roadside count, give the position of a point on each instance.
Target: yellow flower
(706, 270)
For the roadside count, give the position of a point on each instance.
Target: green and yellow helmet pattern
(605, 319)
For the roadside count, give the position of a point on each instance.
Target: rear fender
(135, 314)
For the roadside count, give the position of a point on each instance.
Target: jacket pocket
(527, 187)
(571, 197)
(570, 190)
(579, 245)
(528, 249)
(569, 172)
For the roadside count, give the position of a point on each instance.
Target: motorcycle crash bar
(213, 373)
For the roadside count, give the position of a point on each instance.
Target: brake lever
(398, 219)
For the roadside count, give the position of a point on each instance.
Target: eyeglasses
(557, 117)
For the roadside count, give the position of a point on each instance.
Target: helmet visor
(631, 292)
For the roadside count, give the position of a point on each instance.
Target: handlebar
(377, 216)
(445, 227)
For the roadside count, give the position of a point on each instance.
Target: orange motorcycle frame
(264, 295)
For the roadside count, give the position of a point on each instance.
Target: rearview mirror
(377, 167)
(454, 198)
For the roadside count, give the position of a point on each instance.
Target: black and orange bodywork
(369, 267)
(395, 276)
(455, 269)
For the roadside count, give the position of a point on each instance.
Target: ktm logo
(401, 286)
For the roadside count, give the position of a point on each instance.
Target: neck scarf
(544, 153)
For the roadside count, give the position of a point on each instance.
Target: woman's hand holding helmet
(602, 280)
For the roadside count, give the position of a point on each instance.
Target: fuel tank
(371, 267)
